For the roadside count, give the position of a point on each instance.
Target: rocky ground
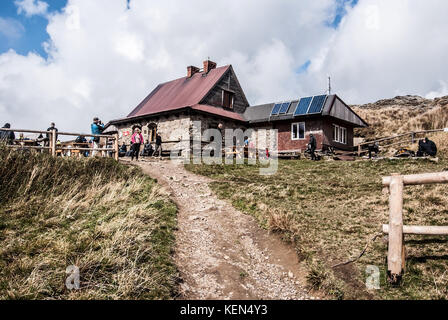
(222, 253)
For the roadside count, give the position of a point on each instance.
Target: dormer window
(227, 99)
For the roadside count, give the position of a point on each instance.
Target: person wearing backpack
(158, 148)
(96, 127)
(137, 140)
(312, 147)
(7, 137)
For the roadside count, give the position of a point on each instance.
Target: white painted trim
(339, 129)
(298, 135)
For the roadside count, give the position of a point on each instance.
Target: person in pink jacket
(137, 140)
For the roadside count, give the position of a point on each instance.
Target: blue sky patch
(24, 34)
(341, 12)
(304, 67)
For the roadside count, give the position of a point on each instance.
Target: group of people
(8, 137)
(136, 143)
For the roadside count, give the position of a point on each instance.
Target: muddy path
(222, 253)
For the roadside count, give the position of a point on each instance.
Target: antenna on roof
(329, 85)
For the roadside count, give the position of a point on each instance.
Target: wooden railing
(408, 137)
(54, 148)
(396, 257)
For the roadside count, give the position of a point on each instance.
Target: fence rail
(396, 257)
(54, 148)
(410, 138)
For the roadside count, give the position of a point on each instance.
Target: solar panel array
(303, 106)
(308, 105)
(284, 108)
(317, 104)
(276, 109)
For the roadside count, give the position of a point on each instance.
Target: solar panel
(303, 105)
(276, 109)
(317, 104)
(284, 108)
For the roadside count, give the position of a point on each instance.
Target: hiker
(251, 149)
(312, 147)
(96, 127)
(158, 146)
(82, 141)
(148, 150)
(47, 139)
(123, 150)
(7, 137)
(136, 140)
(373, 147)
(426, 147)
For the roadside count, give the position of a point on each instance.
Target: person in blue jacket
(97, 127)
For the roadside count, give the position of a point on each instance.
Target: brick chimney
(209, 65)
(191, 70)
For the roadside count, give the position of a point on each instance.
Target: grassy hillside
(402, 114)
(329, 210)
(109, 220)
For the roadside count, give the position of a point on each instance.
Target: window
(298, 131)
(339, 134)
(227, 99)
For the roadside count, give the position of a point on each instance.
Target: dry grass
(109, 220)
(391, 120)
(329, 210)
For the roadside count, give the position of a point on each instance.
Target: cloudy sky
(67, 61)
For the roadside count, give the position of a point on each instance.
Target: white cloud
(104, 59)
(31, 7)
(11, 28)
(387, 48)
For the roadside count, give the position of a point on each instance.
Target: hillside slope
(402, 114)
(111, 221)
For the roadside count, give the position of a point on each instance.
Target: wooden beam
(416, 179)
(53, 142)
(421, 230)
(395, 251)
(116, 146)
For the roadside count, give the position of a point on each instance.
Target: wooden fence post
(116, 146)
(395, 254)
(53, 142)
(359, 150)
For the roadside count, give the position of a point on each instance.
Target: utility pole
(329, 85)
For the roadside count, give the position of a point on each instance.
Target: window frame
(232, 98)
(298, 131)
(339, 134)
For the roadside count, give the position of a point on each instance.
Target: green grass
(109, 220)
(329, 210)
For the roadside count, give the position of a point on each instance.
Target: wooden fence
(396, 257)
(404, 138)
(52, 146)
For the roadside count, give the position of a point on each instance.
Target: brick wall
(284, 135)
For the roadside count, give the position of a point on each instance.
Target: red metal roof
(180, 93)
(218, 111)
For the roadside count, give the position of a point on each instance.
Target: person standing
(158, 148)
(96, 127)
(137, 140)
(7, 137)
(312, 145)
(47, 139)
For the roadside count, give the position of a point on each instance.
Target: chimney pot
(209, 65)
(191, 70)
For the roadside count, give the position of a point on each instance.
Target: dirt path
(222, 253)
